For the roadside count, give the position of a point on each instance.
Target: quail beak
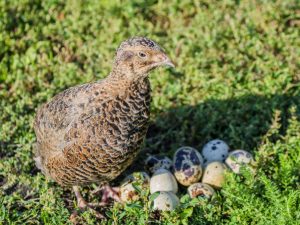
(162, 60)
(166, 61)
(169, 63)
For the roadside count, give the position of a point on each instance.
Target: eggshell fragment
(163, 180)
(165, 201)
(238, 158)
(187, 165)
(214, 174)
(200, 189)
(215, 150)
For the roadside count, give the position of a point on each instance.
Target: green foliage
(236, 78)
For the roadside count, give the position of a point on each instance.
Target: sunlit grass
(237, 78)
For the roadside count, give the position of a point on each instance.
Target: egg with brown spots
(214, 174)
(127, 191)
(237, 159)
(165, 201)
(155, 162)
(187, 165)
(200, 189)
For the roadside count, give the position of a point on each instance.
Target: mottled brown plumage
(92, 132)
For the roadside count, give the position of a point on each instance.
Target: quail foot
(92, 132)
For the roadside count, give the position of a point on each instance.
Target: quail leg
(110, 192)
(83, 205)
(107, 193)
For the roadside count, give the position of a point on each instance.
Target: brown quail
(92, 132)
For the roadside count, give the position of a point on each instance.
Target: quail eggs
(127, 191)
(214, 174)
(154, 162)
(237, 158)
(187, 165)
(215, 150)
(165, 201)
(200, 189)
(163, 180)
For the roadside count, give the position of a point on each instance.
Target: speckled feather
(93, 132)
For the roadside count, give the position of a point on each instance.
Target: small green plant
(236, 78)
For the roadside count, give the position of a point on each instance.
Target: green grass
(237, 78)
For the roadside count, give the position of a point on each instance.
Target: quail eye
(142, 55)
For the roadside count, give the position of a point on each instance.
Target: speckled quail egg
(187, 165)
(237, 158)
(215, 150)
(200, 189)
(165, 201)
(214, 174)
(154, 162)
(127, 191)
(163, 180)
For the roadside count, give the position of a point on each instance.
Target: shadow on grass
(241, 122)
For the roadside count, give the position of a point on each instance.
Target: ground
(236, 78)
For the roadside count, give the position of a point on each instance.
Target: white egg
(127, 191)
(214, 174)
(215, 150)
(200, 189)
(238, 158)
(163, 180)
(187, 165)
(165, 201)
(155, 162)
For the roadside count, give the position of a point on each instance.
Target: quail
(91, 133)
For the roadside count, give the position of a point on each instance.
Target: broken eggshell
(214, 174)
(163, 180)
(238, 158)
(200, 189)
(215, 150)
(165, 201)
(127, 191)
(155, 162)
(187, 165)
